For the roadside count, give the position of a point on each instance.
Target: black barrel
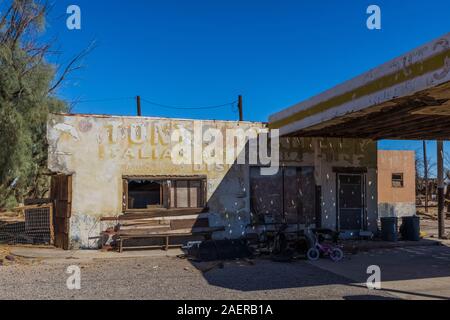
(410, 229)
(389, 229)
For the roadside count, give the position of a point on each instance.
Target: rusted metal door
(288, 196)
(351, 202)
(61, 192)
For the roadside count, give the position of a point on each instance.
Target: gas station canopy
(406, 98)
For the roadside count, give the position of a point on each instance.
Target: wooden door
(61, 193)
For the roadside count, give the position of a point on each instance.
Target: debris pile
(5, 256)
(432, 213)
(144, 229)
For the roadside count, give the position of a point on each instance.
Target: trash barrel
(389, 229)
(410, 229)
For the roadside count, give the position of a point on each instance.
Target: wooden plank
(150, 236)
(156, 213)
(143, 230)
(189, 223)
(140, 223)
(52, 228)
(124, 195)
(146, 218)
(171, 232)
(29, 202)
(69, 196)
(164, 177)
(35, 206)
(150, 247)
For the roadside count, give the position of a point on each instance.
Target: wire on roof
(189, 107)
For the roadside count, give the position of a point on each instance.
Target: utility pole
(241, 114)
(440, 181)
(425, 176)
(138, 102)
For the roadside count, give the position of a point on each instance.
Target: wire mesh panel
(13, 232)
(33, 225)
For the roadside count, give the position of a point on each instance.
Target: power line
(233, 104)
(189, 107)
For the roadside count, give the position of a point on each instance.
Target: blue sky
(205, 52)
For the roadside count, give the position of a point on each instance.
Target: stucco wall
(394, 201)
(331, 153)
(99, 150)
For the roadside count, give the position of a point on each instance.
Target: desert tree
(28, 92)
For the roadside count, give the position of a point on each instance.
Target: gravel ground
(166, 278)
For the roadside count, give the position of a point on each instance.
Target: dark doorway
(351, 201)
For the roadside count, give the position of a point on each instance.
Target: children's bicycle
(321, 249)
(335, 254)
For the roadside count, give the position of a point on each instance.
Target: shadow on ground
(428, 264)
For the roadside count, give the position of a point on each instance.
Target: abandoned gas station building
(113, 172)
(109, 167)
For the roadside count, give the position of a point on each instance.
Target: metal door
(351, 201)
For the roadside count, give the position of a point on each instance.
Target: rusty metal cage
(32, 224)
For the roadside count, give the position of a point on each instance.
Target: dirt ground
(411, 273)
(8, 259)
(429, 223)
(175, 278)
(4, 252)
(421, 272)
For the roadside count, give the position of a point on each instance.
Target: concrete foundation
(397, 209)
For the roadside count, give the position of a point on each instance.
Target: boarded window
(182, 194)
(397, 180)
(187, 194)
(288, 196)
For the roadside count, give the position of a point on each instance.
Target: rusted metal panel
(318, 208)
(307, 195)
(299, 195)
(266, 195)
